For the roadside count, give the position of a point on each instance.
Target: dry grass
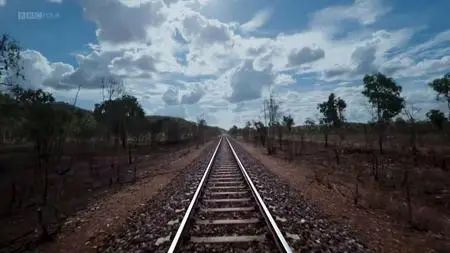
(382, 205)
(94, 173)
(84, 236)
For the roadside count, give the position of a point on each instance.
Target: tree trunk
(130, 160)
(408, 196)
(13, 195)
(356, 197)
(45, 190)
(302, 142)
(380, 142)
(44, 236)
(375, 167)
(124, 138)
(337, 155)
(381, 130)
(366, 135)
(280, 137)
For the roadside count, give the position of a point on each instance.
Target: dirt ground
(82, 232)
(312, 175)
(94, 173)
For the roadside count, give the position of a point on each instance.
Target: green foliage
(201, 126)
(259, 126)
(437, 118)
(332, 111)
(442, 88)
(120, 115)
(384, 95)
(173, 131)
(400, 121)
(261, 129)
(33, 115)
(9, 123)
(42, 119)
(233, 130)
(288, 122)
(9, 58)
(310, 122)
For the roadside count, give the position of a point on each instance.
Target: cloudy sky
(218, 59)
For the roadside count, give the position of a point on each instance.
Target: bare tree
(410, 112)
(111, 88)
(271, 117)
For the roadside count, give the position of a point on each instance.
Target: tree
(46, 125)
(332, 112)
(155, 128)
(247, 131)
(279, 128)
(271, 117)
(9, 68)
(172, 131)
(410, 111)
(111, 88)
(201, 126)
(442, 87)
(9, 59)
(118, 115)
(310, 122)
(384, 96)
(288, 122)
(400, 121)
(233, 130)
(10, 120)
(437, 118)
(261, 129)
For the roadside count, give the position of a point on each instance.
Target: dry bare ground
(382, 226)
(82, 232)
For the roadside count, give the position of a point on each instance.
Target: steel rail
(276, 232)
(195, 198)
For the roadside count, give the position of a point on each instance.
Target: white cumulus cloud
(178, 58)
(258, 20)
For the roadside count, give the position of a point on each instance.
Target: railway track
(226, 212)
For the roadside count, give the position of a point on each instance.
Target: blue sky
(220, 58)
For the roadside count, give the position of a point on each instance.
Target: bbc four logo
(37, 15)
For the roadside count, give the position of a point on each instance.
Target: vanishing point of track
(226, 213)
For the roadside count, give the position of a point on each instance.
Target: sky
(219, 59)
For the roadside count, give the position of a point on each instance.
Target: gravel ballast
(152, 230)
(304, 227)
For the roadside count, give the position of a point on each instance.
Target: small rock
(294, 237)
(280, 219)
(162, 240)
(171, 222)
